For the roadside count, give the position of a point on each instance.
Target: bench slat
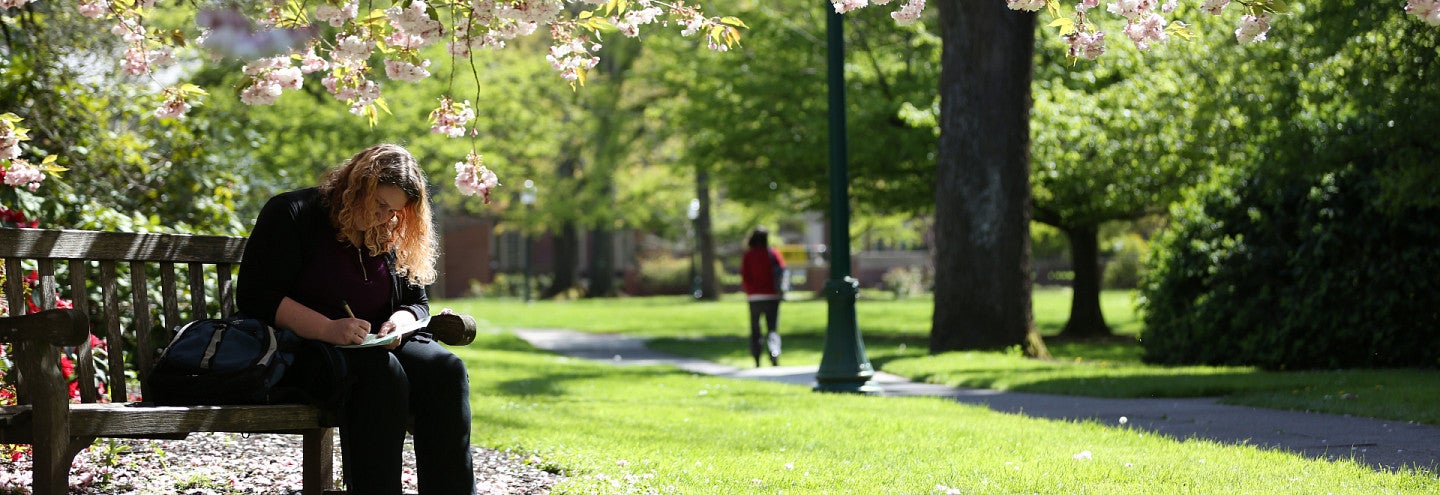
(109, 420)
(14, 285)
(85, 368)
(143, 322)
(199, 310)
(46, 288)
(119, 246)
(110, 302)
(171, 299)
(226, 291)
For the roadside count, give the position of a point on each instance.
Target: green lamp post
(844, 366)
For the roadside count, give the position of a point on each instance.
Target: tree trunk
(602, 263)
(567, 243)
(1086, 319)
(567, 261)
(705, 239)
(982, 187)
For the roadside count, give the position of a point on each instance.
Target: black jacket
(286, 236)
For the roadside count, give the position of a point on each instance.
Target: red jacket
(757, 276)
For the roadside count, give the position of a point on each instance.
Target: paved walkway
(1380, 443)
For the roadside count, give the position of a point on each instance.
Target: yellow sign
(795, 255)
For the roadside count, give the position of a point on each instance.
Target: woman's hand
(395, 321)
(385, 329)
(346, 331)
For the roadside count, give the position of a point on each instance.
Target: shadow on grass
(1114, 371)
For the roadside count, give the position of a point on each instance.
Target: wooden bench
(194, 277)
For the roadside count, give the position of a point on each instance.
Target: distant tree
(1114, 143)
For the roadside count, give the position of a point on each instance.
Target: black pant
(422, 386)
(771, 311)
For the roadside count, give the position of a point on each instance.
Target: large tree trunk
(705, 239)
(1086, 319)
(982, 187)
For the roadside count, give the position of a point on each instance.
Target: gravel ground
(227, 463)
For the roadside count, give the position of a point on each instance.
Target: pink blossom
(450, 118)
(643, 16)
(1025, 5)
(310, 62)
(406, 71)
(908, 13)
(1131, 9)
(137, 60)
(695, 22)
(9, 140)
(94, 9)
(1147, 29)
(541, 12)
(843, 6)
(626, 27)
(1252, 29)
(1087, 44)
(22, 174)
(413, 20)
(1214, 6)
(261, 91)
(173, 108)
(5, 4)
(351, 49)
(1085, 5)
(128, 29)
(571, 58)
(337, 16)
(1426, 10)
(9, 148)
(473, 179)
(288, 77)
(403, 40)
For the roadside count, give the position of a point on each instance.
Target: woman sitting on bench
(350, 258)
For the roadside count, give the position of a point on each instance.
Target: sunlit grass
(896, 338)
(660, 430)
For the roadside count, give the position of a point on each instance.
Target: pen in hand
(347, 308)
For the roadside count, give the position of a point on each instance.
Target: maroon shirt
(342, 272)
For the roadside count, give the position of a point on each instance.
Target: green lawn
(657, 429)
(896, 337)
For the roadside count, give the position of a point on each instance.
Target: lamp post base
(844, 368)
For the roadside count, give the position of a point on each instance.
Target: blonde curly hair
(350, 192)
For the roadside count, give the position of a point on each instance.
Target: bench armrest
(60, 327)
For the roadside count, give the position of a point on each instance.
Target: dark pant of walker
(771, 311)
(421, 386)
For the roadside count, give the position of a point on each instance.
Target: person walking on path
(762, 277)
(350, 258)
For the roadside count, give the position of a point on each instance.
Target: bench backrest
(94, 267)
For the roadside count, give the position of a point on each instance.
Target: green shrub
(665, 275)
(1287, 273)
(1126, 266)
(904, 281)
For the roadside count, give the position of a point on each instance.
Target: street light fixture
(843, 366)
(693, 213)
(527, 198)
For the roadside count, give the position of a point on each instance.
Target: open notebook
(399, 333)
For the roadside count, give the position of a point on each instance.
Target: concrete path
(1386, 445)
